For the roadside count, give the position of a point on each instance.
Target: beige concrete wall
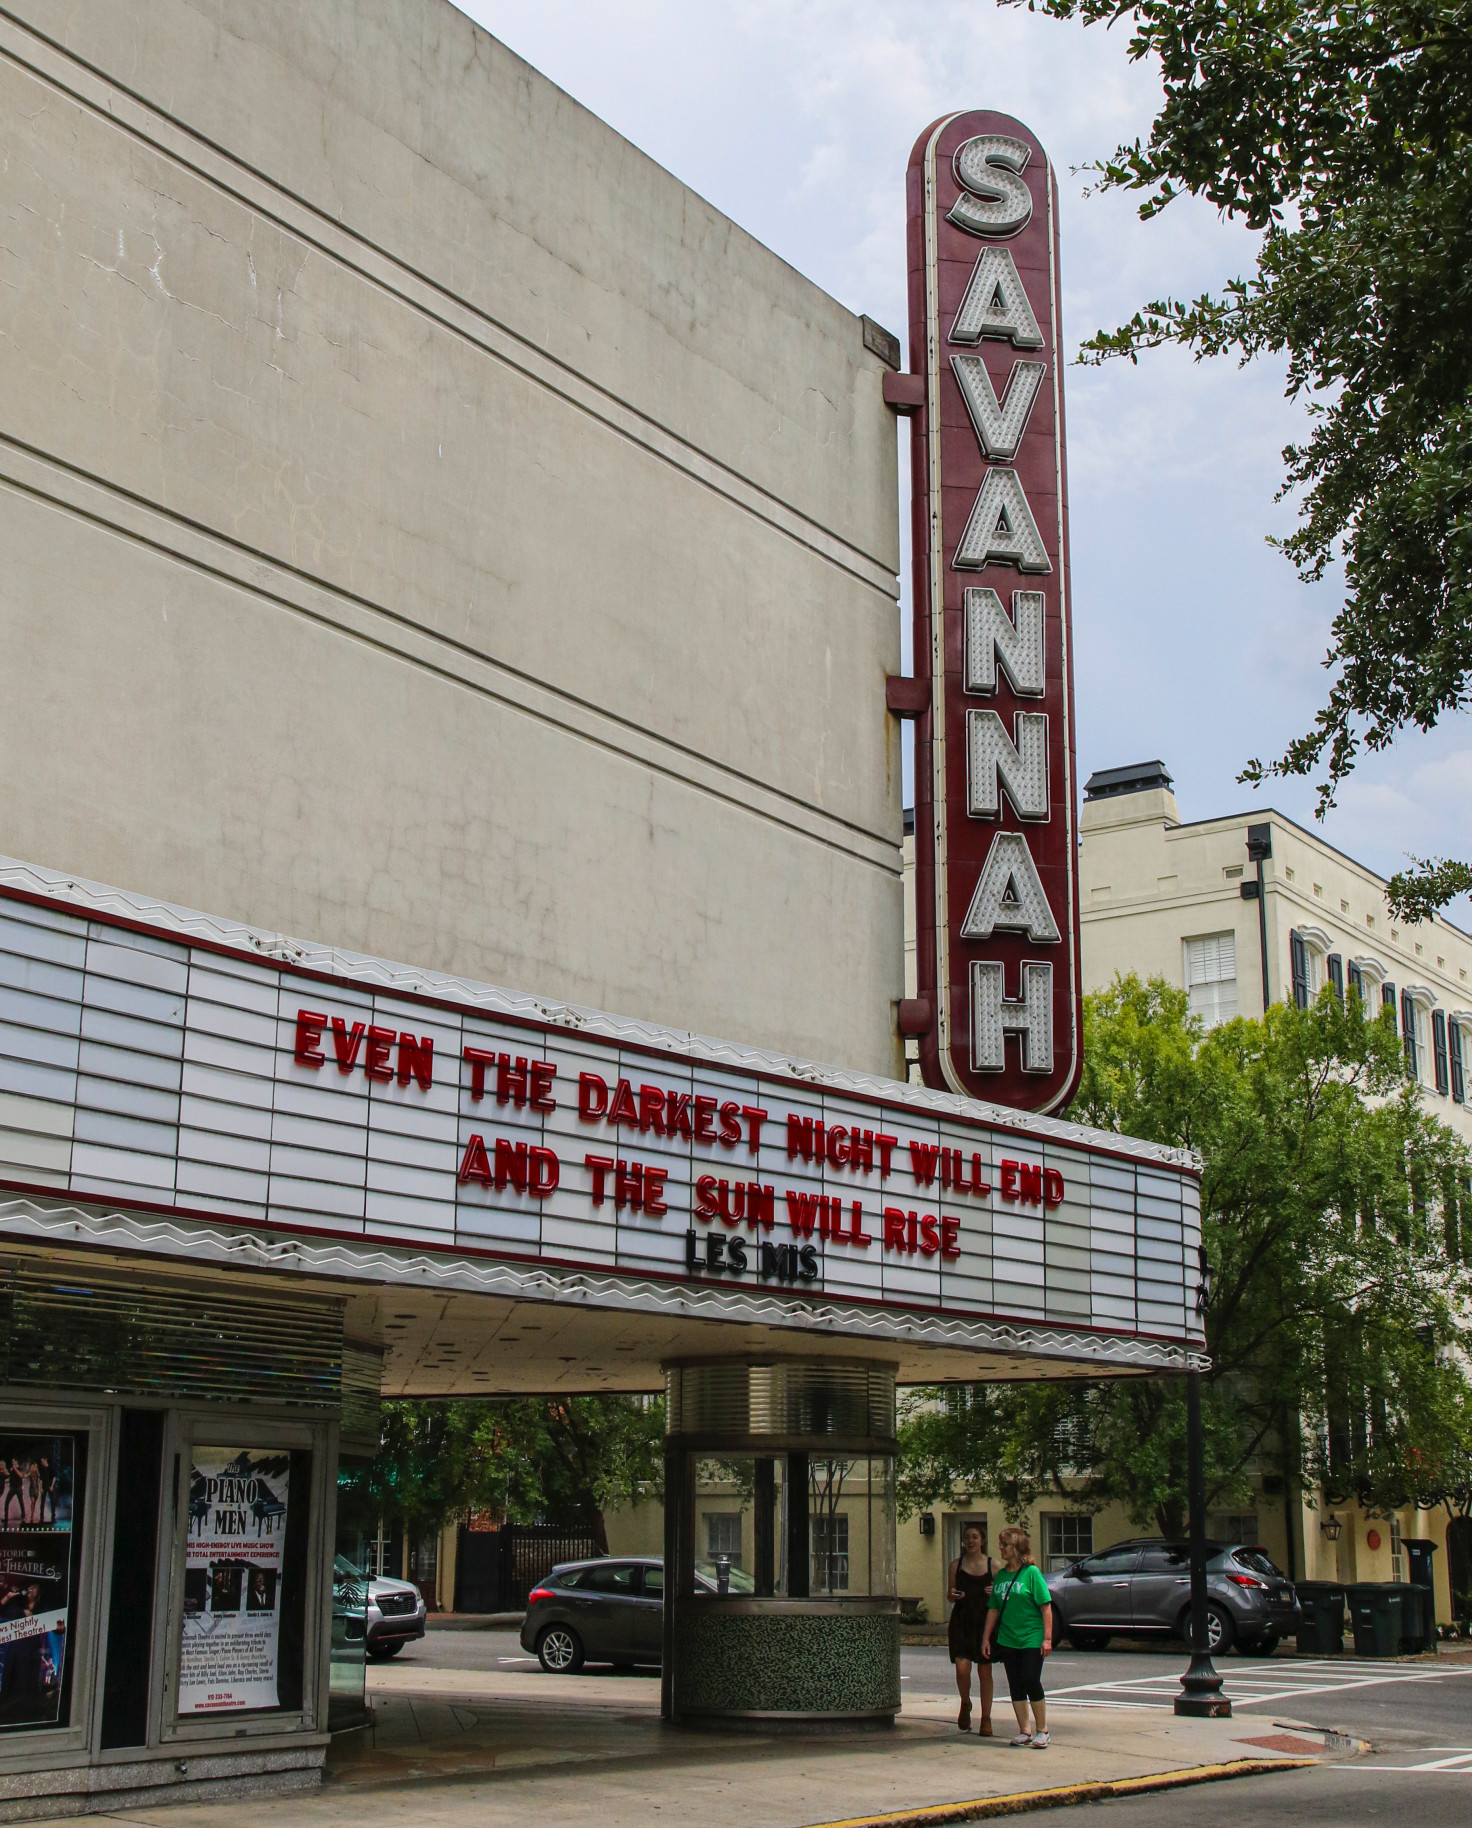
(1351, 1558)
(636, 1529)
(426, 525)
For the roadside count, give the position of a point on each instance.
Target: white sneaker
(1021, 1739)
(1040, 1741)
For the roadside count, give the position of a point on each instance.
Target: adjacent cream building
(1240, 912)
(1192, 903)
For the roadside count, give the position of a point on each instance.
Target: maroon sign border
(947, 467)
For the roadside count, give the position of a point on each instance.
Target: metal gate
(496, 1569)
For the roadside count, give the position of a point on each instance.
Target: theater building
(448, 589)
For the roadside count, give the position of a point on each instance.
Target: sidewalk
(452, 1747)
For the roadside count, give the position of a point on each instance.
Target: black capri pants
(1024, 1673)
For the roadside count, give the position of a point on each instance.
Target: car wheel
(1088, 1640)
(560, 1650)
(1220, 1633)
(380, 1653)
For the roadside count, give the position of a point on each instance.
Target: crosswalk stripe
(1254, 1686)
(1440, 1770)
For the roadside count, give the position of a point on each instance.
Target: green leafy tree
(425, 1464)
(572, 1459)
(1343, 134)
(1337, 1327)
(563, 1460)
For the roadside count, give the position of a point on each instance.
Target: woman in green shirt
(1020, 1620)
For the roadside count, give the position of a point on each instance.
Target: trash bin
(1321, 1625)
(1417, 1620)
(1419, 1553)
(1375, 1609)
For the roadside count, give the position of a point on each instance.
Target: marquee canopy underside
(457, 1327)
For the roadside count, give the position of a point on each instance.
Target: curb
(474, 1621)
(1335, 1738)
(1020, 1802)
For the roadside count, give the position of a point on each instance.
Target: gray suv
(1142, 1589)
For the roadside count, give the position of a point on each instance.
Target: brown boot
(963, 1719)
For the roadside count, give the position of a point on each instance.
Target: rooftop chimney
(1138, 777)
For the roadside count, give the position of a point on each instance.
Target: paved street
(1417, 1715)
(1329, 1796)
(1389, 1703)
(1413, 1704)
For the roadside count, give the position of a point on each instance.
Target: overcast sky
(1195, 641)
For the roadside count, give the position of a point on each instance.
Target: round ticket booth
(780, 1602)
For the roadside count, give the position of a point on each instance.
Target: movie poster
(37, 1487)
(238, 1498)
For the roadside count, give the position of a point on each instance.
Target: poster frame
(257, 1428)
(22, 1412)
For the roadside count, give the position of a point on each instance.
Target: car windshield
(1259, 1561)
(723, 1579)
(343, 1569)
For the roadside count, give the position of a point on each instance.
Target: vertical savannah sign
(996, 865)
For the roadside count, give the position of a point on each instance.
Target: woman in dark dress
(15, 1487)
(969, 1587)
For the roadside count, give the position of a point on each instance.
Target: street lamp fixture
(1332, 1527)
(1201, 1687)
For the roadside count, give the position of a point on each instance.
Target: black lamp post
(1201, 1687)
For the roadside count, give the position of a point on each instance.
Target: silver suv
(1142, 1588)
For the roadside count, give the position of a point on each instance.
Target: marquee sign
(327, 1096)
(996, 864)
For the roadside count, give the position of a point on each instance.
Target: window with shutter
(1211, 977)
(1298, 953)
(1334, 966)
(1408, 1032)
(1459, 1083)
(1438, 1049)
(1356, 981)
(1387, 1001)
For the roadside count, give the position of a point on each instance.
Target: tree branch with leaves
(1336, 1218)
(1344, 135)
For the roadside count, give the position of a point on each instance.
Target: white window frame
(722, 1521)
(1220, 1003)
(835, 1560)
(1317, 946)
(1072, 1523)
(1217, 1527)
(1423, 1001)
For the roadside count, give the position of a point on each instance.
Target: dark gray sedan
(1142, 1588)
(610, 1611)
(601, 1611)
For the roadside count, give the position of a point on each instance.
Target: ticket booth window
(839, 1509)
